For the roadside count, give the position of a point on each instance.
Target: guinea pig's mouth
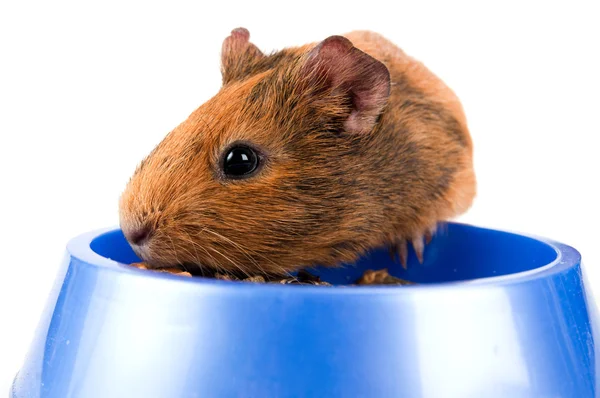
(156, 263)
(198, 270)
(193, 269)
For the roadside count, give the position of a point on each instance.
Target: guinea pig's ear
(237, 55)
(342, 68)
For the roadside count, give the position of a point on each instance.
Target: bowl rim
(567, 257)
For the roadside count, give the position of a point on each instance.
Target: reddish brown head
(266, 175)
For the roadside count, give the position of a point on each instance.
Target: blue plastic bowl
(496, 315)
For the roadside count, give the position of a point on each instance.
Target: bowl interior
(457, 253)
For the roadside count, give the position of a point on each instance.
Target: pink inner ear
(353, 123)
(358, 74)
(238, 43)
(241, 34)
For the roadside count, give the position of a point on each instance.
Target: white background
(87, 89)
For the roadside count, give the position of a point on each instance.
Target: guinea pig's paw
(418, 241)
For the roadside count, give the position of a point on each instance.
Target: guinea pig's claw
(419, 247)
(418, 244)
(429, 236)
(400, 250)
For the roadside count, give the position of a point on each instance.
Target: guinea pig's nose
(138, 236)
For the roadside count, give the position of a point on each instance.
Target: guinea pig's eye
(240, 161)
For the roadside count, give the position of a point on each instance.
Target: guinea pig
(311, 155)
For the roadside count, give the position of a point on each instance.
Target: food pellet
(380, 277)
(369, 277)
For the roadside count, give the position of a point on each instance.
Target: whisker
(242, 270)
(246, 252)
(174, 249)
(198, 259)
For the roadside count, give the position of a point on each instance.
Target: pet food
(369, 277)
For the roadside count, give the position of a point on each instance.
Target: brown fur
(323, 196)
